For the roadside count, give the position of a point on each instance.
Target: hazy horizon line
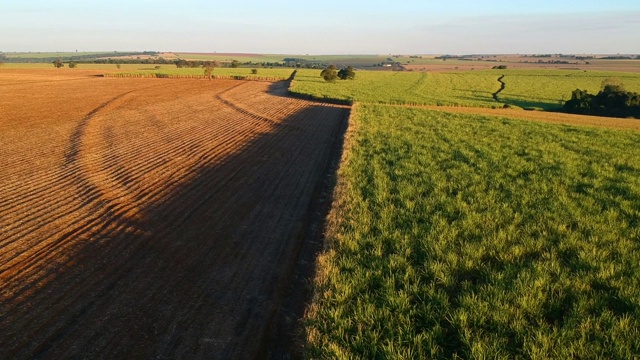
(312, 54)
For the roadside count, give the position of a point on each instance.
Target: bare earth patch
(152, 218)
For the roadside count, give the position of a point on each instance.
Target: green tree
(347, 73)
(235, 63)
(254, 71)
(612, 85)
(58, 63)
(72, 65)
(580, 102)
(329, 74)
(181, 63)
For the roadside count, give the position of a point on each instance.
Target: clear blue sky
(323, 27)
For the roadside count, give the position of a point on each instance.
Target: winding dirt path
(152, 218)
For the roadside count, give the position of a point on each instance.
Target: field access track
(152, 218)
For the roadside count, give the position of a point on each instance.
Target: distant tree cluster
(612, 100)
(445, 57)
(182, 63)
(500, 67)
(331, 73)
(619, 57)
(304, 63)
(59, 64)
(138, 60)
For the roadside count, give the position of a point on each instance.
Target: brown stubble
(167, 210)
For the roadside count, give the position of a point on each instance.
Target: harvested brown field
(153, 218)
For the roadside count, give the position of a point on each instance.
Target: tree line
(612, 100)
(181, 63)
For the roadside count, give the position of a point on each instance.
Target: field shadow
(209, 271)
(532, 105)
(281, 89)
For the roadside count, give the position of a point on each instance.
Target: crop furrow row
(67, 176)
(94, 194)
(153, 220)
(144, 170)
(172, 221)
(87, 117)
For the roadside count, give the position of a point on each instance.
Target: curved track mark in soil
(69, 173)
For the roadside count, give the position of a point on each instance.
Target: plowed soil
(152, 218)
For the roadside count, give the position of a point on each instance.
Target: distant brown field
(145, 218)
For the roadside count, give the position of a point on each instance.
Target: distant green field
(41, 55)
(230, 57)
(545, 89)
(390, 87)
(462, 236)
(123, 67)
(344, 60)
(354, 60)
(542, 89)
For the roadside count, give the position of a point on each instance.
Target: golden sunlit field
(172, 211)
(186, 213)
